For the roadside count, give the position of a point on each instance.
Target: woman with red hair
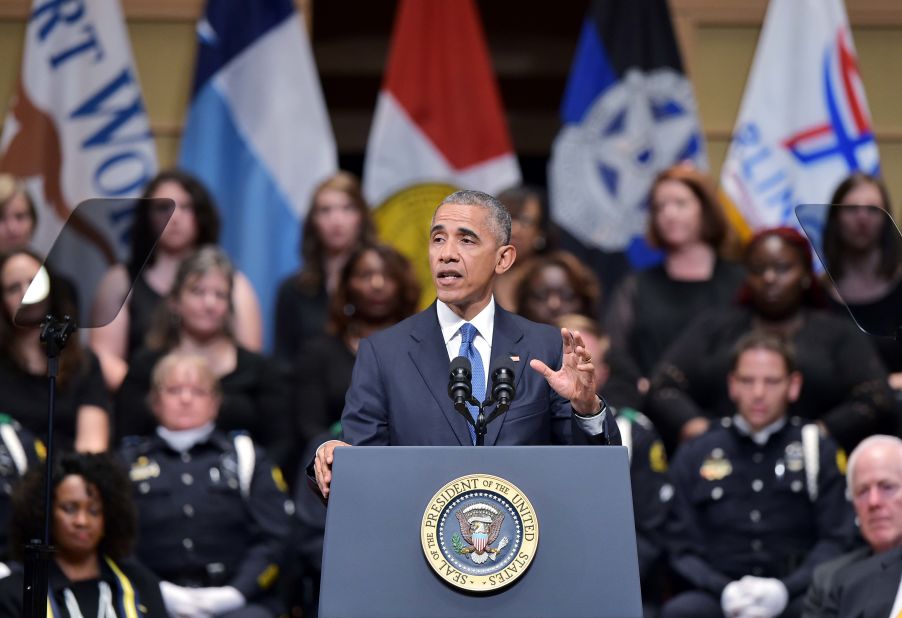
(651, 308)
(844, 382)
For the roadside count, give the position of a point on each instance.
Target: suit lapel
(884, 585)
(430, 357)
(507, 343)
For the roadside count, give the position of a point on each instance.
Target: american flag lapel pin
(515, 358)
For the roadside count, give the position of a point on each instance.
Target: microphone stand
(481, 423)
(55, 334)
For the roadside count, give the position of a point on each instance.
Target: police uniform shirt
(650, 483)
(746, 508)
(196, 526)
(19, 451)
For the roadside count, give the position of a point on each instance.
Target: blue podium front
(381, 557)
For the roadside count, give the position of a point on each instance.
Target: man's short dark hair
(499, 217)
(763, 340)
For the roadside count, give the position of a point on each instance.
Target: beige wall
(717, 37)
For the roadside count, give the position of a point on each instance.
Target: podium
(584, 564)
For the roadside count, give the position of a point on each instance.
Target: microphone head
(460, 386)
(503, 390)
(461, 363)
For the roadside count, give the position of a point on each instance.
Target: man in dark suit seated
(399, 388)
(865, 581)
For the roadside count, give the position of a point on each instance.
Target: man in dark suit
(399, 388)
(865, 581)
(867, 589)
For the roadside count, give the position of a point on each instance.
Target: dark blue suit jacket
(399, 389)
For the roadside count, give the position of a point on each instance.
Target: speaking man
(399, 388)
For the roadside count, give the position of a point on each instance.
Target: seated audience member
(651, 486)
(863, 255)
(197, 318)
(530, 233)
(652, 307)
(377, 289)
(193, 224)
(844, 388)
(81, 417)
(759, 498)
(875, 487)
(213, 512)
(19, 452)
(556, 284)
(337, 222)
(92, 531)
(18, 217)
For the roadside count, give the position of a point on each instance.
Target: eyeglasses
(178, 390)
(544, 294)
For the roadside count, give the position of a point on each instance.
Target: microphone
(460, 387)
(503, 390)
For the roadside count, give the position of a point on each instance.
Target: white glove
(218, 600)
(735, 599)
(769, 596)
(180, 602)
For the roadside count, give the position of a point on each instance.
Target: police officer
(19, 451)
(759, 499)
(652, 495)
(212, 509)
(649, 480)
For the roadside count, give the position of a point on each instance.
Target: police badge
(479, 533)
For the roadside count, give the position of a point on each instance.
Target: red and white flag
(77, 127)
(439, 124)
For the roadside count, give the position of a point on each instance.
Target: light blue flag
(258, 134)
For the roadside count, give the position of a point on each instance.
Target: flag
(76, 129)
(258, 134)
(439, 124)
(804, 123)
(628, 112)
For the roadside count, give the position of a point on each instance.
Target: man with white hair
(865, 581)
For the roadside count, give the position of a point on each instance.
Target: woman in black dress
(193, 224)
(93, 527)
(377, 289)
(82, 402)
(196, 317)
(337, 222)
(864, 258)
(652, 307)
(844, 383)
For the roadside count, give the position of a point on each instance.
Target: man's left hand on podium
(322, 464)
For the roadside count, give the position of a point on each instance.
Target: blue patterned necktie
(468, 333)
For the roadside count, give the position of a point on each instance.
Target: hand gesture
(575, 380)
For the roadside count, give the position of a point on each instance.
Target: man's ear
(731, 385)
(795, 386)
(505, 258)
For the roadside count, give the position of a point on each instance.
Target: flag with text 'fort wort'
(804, 123)
(77, 129)
(628, 112)
(258, 133)
(439, 124)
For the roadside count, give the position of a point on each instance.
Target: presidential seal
(479, 533)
